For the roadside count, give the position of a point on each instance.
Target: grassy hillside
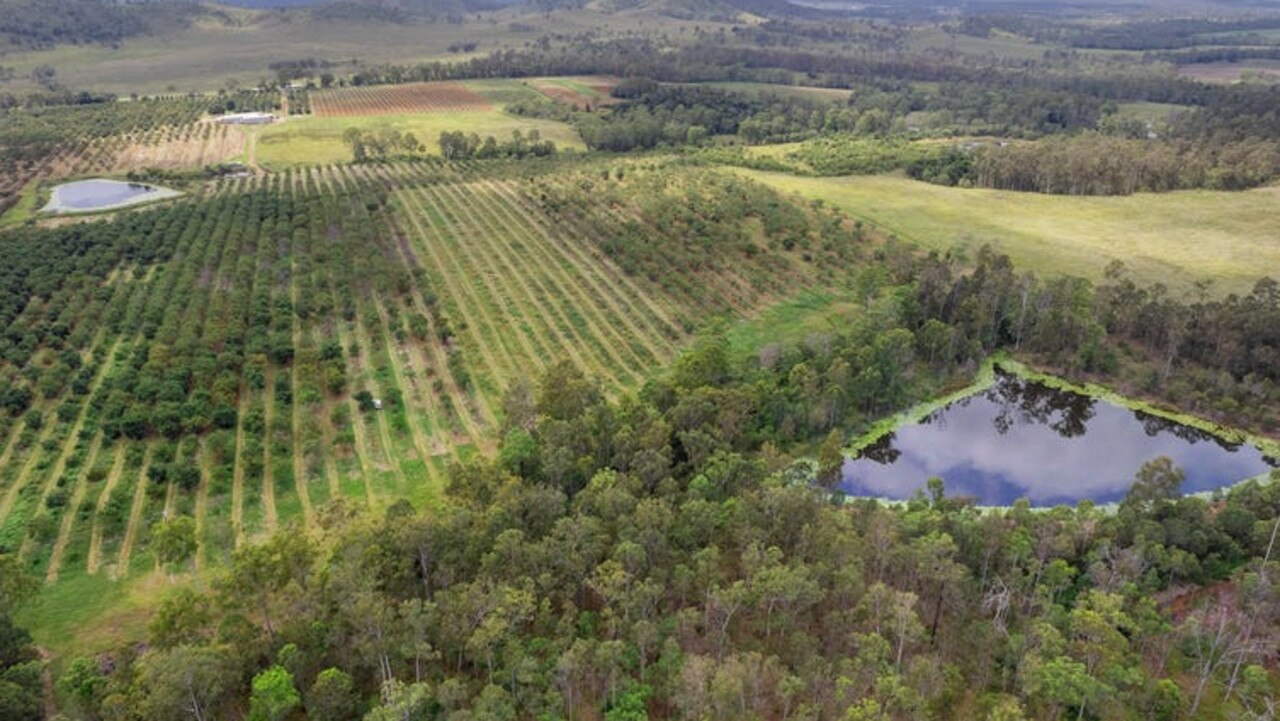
(236, 45)
(1176, 238)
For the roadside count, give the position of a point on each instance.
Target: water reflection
(102, 194)
(1022, 439)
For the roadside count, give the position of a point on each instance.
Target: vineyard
(343, 332)
(439, 97)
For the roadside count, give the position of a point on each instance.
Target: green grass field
(317, 141)
(1154, 113)
(810, 312)
(1230, 238)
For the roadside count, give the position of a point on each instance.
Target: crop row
(249, 355)
(388, 99)
(210, 360)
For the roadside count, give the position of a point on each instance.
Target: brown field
(583, 93)
(196, 150)
(565, 95)
(187, 147)
(601, 84)
(396, 99)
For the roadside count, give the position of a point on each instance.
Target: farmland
(1176, 237)
(222, 348)
(528, 363)
(582, 93)
(189, 146)
(397, 99)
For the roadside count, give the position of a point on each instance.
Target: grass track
(94, 561)
(69, 514)
(202, 502)
(624, 294)
(135, 515)
(299, 463)
(270, 516)
(462, 300)
(237, 479)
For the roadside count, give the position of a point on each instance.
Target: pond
(101, 194)
(1023, 439)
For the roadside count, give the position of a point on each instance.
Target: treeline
(381, 144)
(1198, 55)
(676, 115)
(846, 155)
(1096, 164)
(21, 670)
(1212, 357)
(243, 101)
(673, 115)
(1176, 33)
(1133, 34)
(663, 557)
(463, 146)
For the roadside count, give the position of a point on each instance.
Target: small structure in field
(377, 404)
(247, 119)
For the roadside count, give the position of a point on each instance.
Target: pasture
(313, 140)
(1175, 238)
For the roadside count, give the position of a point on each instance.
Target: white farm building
(247, 119)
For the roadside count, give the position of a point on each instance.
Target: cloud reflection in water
(1022, 439)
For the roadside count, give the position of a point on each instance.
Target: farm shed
(247, 119)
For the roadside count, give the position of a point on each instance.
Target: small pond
(1023, 439)
(101, 194)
